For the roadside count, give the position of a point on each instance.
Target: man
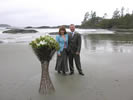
(74, 47)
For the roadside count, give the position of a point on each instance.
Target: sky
(55, 12)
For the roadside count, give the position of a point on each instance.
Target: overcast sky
(55, 12)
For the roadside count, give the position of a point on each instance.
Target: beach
(108, 76)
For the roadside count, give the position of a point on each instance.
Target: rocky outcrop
(4, 25)
(123, 30)
(14, 31)
(29, 27)
(53, 33)
(1, 41)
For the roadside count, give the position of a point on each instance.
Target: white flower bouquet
(44, 47)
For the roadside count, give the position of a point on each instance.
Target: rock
(123, 30)
(44, 27)
(29, 27)
(20, 31)
(4, 25)
(53, 33)
(1, 41)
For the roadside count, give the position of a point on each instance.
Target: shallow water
(108, 42)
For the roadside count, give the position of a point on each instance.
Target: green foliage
(118, 20)
(45, 41)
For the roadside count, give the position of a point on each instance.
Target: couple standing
(70, 46)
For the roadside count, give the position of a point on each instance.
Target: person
(62, 39)
(74, 48)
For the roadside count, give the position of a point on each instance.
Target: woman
(61, 63)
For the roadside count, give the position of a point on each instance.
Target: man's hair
(72, 25)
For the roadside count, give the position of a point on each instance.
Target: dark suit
(74, 45)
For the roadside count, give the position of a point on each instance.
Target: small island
(14, 31)
(5, 25)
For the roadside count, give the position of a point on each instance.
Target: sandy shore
(108, 76)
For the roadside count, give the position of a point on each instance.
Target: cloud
(54, 12)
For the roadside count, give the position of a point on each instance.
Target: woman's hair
(62, 28)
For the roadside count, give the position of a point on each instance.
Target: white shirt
(72, 33)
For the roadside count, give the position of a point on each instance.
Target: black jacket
(74, 43)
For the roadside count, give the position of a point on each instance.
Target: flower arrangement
(45, 41)
(44, 48)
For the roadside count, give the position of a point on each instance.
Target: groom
(74, 48)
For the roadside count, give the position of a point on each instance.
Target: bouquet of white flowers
(44, 48)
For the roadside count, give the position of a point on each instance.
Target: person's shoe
(81, 73)
(71, 73)
(59, 72)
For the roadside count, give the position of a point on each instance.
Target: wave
(26, 38)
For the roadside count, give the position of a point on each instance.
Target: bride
(61, 63)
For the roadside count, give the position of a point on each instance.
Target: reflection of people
(74, 47)
(62, 39)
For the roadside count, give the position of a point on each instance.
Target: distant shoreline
(67, 26)
(27, 28)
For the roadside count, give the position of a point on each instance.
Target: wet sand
(108, 76)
